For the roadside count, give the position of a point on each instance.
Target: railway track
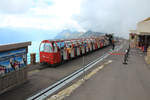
(58, 85)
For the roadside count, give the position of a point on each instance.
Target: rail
(58, 85)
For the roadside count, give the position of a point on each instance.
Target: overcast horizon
(37, 19)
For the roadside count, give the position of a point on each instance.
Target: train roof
(79, 39)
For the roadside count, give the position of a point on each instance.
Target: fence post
(33, 58)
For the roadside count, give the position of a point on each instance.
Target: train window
(60, 44)
(68, 44)
(55, 48)
(46, 47)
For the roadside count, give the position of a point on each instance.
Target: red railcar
(56, 51)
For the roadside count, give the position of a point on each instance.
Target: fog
(117, 16)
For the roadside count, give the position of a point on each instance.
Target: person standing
(113, 44)
(111, 41)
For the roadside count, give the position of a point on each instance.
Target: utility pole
(83, 63)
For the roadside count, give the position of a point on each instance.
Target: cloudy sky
(39, 14)
(116, 16)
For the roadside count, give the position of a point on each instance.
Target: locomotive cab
(49, 52)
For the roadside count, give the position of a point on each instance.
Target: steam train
(54, 52)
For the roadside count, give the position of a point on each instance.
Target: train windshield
(46, 47)
(55, 47)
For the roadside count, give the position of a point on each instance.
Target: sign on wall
(12, 60)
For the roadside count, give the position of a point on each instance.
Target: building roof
(143, 27)
(8, 47)
(147, 19)
(133, 31)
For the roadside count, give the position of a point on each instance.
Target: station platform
(117, 81)
(41, 77)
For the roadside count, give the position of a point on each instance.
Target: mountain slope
(65, 34)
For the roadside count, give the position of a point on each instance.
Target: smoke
(112, 16)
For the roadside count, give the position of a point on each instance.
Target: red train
(54, 52)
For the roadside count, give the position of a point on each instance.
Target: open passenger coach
(54, 52)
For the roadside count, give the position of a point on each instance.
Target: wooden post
(33, 58)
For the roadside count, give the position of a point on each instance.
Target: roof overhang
(133, 31)
(8, 47)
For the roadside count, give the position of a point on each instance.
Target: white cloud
(117, 16)
(99, 15)
(55, 15)
(15, 6)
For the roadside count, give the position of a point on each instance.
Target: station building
(141, 36)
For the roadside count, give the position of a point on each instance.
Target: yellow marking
(66, 92)
(33, 72)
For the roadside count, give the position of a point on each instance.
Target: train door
(107, 42)
(61, 49)
(64, 51)
(70, 49)
(98, 44)
(101, 44)
(65, 54)
(83, 48)
(73, 50)
(80, 45)
(93, 44)
(78, 48)
(90, 45)
(56, 53)
(86, 46)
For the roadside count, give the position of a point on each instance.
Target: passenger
(69, 49)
